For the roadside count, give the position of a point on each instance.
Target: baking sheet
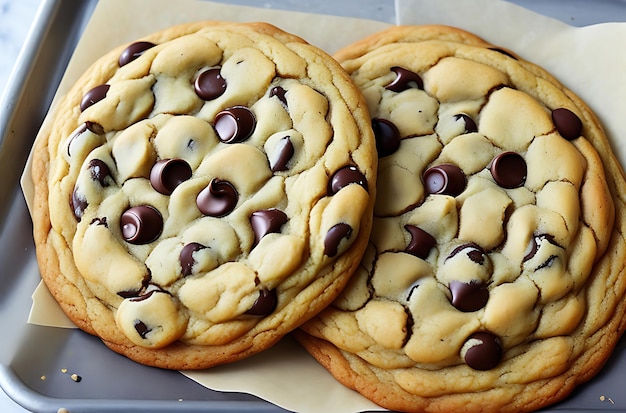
(70, 349)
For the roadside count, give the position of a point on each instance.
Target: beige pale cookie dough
(202, 192)
(494, 276)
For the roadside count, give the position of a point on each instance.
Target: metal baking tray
(112, 382)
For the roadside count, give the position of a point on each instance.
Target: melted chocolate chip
(218, 199)
(567, 123)
(421, 242)
(210, 84)
(234, 125)
(186, 257)
(142, 328)
(535, 242)
(142, 297)
(346, 176)
(265, 303)
(404, 80)
(133, 51)
(141, 224)
(334, 237)
(100, 221)
(78, 204)
(266, 221)
(137, 292)
(279, 92)
(468, 297)
(446, 179)
(167, 174)
(473, 252)
(285, 151)
(387, 137)
(94, 96)
(99, 171)
(486, 354)
(470, 125)
(508, 169)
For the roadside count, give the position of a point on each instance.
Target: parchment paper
(591, 61)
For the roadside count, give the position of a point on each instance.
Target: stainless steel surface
(28, 352)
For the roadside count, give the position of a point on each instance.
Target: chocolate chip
(141, 224)
(234, 125)
(186, 257)
(135, 292)
(470, 125)
(486, 353)
(142, 329)
(445, 179)
(279, 92)
(421, 242)
(404, 80)
(210, 84)
(468, 297)
(508, 169)
(87, 126)
(94, 96)
(346, 176)
(334, 237)
(218, 199)
(265, 303)
(387, 137)
(535, 242)
(100, 221)
(266, 221)
(142, 297)
(99, 171)
(167, 174)
(133, 51)
(473, 252)
(567, 123)
(78, 204)
(285, 151)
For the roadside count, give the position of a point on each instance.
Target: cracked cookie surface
(203, 191)
(493, 280)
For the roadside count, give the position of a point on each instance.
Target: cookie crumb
(43, 377)
(63, 371)
(63, 410)
(76, 377)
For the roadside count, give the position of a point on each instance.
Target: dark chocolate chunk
(78, 204)
(468, 297)
(404, 80)
(99, 171)
(470, 125)
(186, 257)
(234, 125)
(285, 151)
(210, 84)
(387, 136)
(279, 92)
(167, 174)
(536, 241)
(346, 176)
(142, 328)
(334, 237)
(473, 252)
(421, 242)
(94, 96)
(266, 221)
(133, 51)
(445, 179)
(567, 123)
(218, 199)
(265, 303)
(141, 224)
(486, 354)
(509, 170)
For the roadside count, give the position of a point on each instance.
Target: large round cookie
(202, 192)
(494, 276)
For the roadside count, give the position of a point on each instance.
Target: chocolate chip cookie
(494, 278)
(203, 191)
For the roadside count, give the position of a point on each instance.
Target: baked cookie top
(493, 247)
(203, 191)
